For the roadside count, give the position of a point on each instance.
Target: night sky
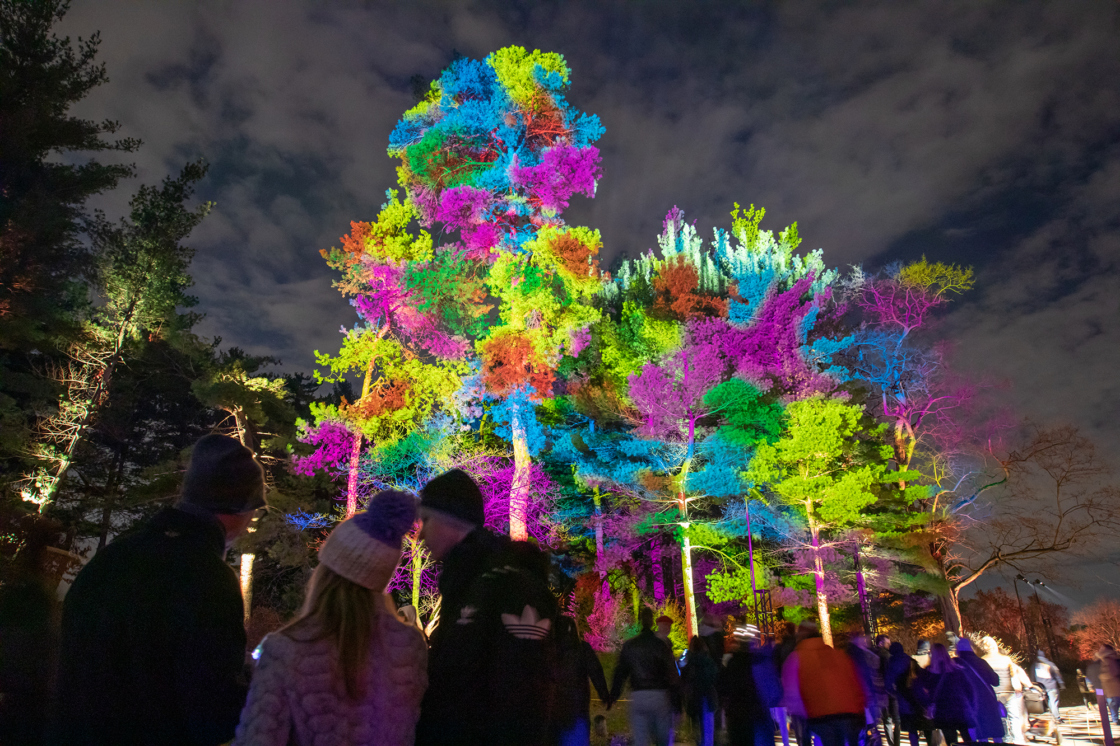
(980, 133)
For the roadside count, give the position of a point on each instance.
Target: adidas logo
(529, 626)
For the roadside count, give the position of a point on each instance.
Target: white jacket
(298, 697)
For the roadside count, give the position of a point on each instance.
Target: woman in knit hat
(346, 670)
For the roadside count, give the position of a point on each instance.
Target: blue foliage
(724, 463)
(535, 433)
(766, 522)
(301, 520)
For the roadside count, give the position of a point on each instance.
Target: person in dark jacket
(989, 712)
(1050, 678)
(953, 696)
(655, 695)
(906, 681)
(492, 663)
(577, 668)
(700, 696)
(744, 700)
(153, 637)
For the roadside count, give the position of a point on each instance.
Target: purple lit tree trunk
(519, 489)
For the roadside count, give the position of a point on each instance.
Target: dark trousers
(750, 731)
(954, 732)
(837, 730)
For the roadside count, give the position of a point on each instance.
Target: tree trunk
(818, 573)
(951, 612)
(658, 573)
(352, 479)
(606, 586)
(247, 583)
(106, 524)
(417, 569)
(519, 489)
(689, 592)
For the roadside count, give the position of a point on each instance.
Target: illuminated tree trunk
(818, 573)
(417, 569)
(356, 448)
(599, 544)
(519, 489)
(658, 573)
(247, 561)
(689, 597)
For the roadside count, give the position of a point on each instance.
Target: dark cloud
(981, 133)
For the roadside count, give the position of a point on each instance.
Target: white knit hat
(366, 549)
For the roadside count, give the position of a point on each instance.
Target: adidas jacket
(492, 667)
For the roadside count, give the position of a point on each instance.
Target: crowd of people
(153, 648)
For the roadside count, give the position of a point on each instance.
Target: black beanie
(454, 493)
(223, 477)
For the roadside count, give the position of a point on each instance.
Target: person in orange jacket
(821, 685)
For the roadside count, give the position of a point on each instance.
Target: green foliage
(455, 288)
(748, 416)
(824, 462)
(937, 278)
(516, 70)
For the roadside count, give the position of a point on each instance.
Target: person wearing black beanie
(491, 668)
(153, 636)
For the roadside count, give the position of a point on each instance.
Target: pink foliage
(670, 396)
(770, 348)
(389, 301)
(333, 442)
(495, 478)
(579, 340)
(889, 302)
(607, 624)
(564, 170)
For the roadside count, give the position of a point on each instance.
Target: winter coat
(904, 680)
(153, 640)
(1047, 674)
(28, 646)
(738, 685)
(699, 681)
(953, 698)
(869, 667)
(819, 681)
(989, 712)
(1109, 673)
(648, 664)
(577, 668)
(492, 665)
(298, 697)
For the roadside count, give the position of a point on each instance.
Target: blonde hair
(343, 612)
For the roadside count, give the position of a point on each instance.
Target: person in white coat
(347, 670)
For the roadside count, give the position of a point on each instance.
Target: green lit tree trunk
(686, 547)
(417, 568)
(818, 576)
(519, 489)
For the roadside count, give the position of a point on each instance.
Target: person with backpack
(700, 695)
(578, 668)
(347, 669)
(952, 696)
(492, 663)
(1049, 677)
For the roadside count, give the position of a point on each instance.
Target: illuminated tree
(825, 467)
(142, 277)
(495, 153)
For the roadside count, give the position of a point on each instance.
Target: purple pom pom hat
(366, 549)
